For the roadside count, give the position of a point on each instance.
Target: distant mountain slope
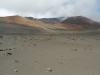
(19, 24)
(47, 20)
(13, 21)
(50, 20)
(81, 21)
(22, 21)
(78, 20)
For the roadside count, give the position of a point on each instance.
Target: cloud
(4, 12)
(51, 8)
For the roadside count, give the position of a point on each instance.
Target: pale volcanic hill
(21, 21)
(18, 24)
(37, 24)
(81, 22)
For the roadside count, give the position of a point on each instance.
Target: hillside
(22, 24)
(81, 21)
(22, 21)
(46, 20)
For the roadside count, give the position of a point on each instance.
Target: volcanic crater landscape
(49, 46)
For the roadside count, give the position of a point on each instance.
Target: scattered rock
(82, 39)
(16, 70)
(60, 62)
(75, 49)
(35, 61)
(1, 49)
(5, 49)
(8, 53)
(16, 61)
(34, 44)
(9, 49)
(49, 69)
(1, 36)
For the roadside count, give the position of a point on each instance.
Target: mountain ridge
(71, 23)
(82, 21)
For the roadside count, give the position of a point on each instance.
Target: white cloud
(51, 8)
(4, 12)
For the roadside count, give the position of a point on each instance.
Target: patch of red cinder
(72, 26)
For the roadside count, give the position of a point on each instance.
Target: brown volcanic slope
(22, 21)
(80, 22)
(68, 26)
(21, 24)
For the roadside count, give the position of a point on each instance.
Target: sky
(51, 8)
